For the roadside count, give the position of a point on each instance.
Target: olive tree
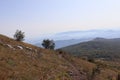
(48, 44)
(19, 35)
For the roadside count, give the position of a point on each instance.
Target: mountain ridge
(96, 48)
(74, 36)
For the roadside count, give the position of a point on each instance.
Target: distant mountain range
(73, 37)
(98, 48)
(63, 43)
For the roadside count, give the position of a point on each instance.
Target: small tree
(19, 35)
(48, 44)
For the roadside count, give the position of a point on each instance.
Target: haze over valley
(64, 39)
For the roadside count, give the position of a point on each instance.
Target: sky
(38, 17)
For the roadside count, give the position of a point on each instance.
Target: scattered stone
(8, 45)
(30, 49)
(19, 47)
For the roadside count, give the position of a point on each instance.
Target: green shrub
(48, 44)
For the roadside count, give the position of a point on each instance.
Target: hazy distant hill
(87, 34)
(63, 43)
(97, 48)
(64, 39)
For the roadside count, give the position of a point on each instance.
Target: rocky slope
(22, 61)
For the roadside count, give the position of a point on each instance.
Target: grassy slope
(23, 64)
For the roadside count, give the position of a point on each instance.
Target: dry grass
(41, 65)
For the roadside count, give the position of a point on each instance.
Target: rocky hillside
(22, 61)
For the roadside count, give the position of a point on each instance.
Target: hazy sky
(36, 17)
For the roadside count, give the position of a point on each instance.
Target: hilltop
(23, 61)
(108, 49)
